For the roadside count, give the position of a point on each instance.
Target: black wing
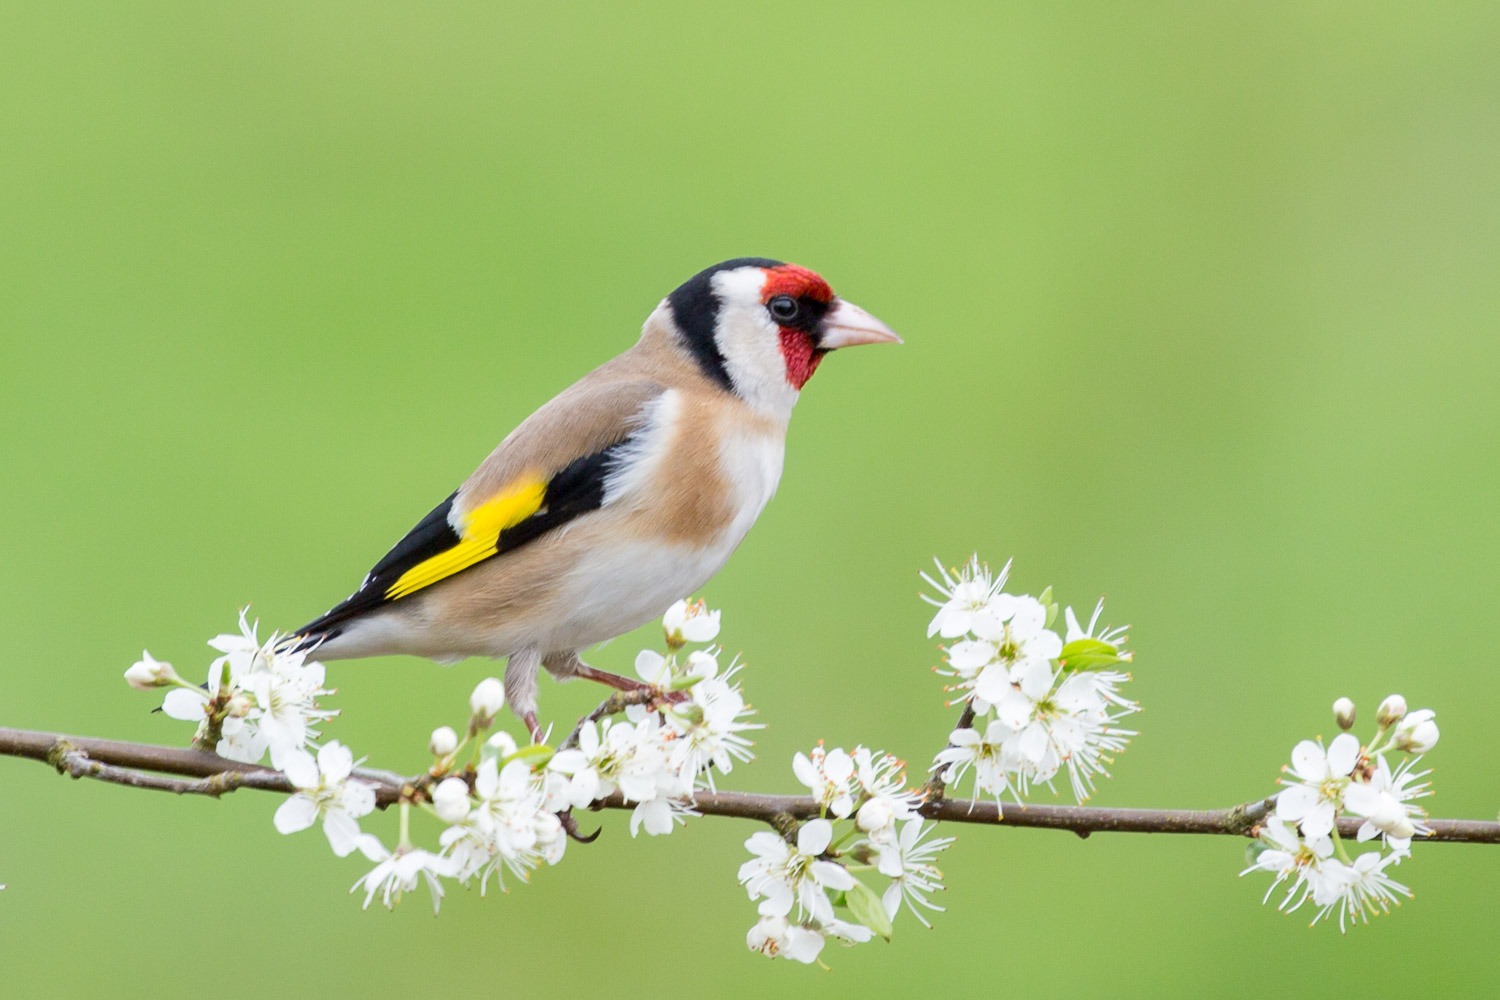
(573, 491)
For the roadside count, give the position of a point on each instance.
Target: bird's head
(760, 327)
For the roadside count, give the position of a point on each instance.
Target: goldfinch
(620, 496)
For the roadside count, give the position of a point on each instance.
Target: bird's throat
(801, 356)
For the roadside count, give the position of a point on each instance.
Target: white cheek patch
(751, 343)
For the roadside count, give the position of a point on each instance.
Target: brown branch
(143, 766)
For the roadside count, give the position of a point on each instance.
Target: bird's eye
(784, 309)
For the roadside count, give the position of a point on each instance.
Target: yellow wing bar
(480, 539)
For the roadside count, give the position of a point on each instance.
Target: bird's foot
(532, 726)
(608, 679)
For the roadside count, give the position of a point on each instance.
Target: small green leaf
(1089, 654)
(683, 683)
(867, 908)
(535, 754)
(1046, 602)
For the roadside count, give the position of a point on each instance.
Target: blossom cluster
(260, 697)
(657, 755)
(807, 889)
(1301, 844)
(507, 808)
(1042, 702)
(510, 810)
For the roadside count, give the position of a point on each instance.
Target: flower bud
(486, 702)
(1392, 710)
(1417, 732)
(875, 815)
(239, 706)
(1343, 714)
(450, 800)
(148, 672)
(443, 742)
(503, 743)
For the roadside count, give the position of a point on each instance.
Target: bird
(620, 496)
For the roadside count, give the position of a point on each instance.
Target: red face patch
(801, 357)
(796, 344)
(796, 281)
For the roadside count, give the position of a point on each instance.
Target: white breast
(623, 585)
(751, 460)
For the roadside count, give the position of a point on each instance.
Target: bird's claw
(570, 827)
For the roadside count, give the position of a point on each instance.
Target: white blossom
(706, 732)
(1306, 862)
(1368, 890)
(829, 774)
(962, 593)
(1301, 844)
(507, 828)
(571, 781)
(1417, 732)
(907, 862)
(1015, 628)
(774, 937)
(985, 753)
(1323, 775)
(396, 874)
(326, 790)
(887, 800)
(270, 703)
(658, 816)
(782, 876)
(1081, 726)
(1385, 800)
(689, 621)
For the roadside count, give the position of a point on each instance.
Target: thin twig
(937, 785)
(141, 765)
(613, 705)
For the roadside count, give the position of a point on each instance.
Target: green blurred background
(1200, 304)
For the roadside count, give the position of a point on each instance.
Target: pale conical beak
(847, 325)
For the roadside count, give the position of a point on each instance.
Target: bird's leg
(565, 666)
(520, 687)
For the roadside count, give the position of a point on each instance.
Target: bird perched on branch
(618, 497)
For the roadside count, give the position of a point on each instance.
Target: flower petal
(814, 837)
(336, 761)
(296, 813)
(184, 704)
(342, 832)
(1295, 802)
(300, 769)
(1343, 754)
(834, 876)
(1309, 762)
